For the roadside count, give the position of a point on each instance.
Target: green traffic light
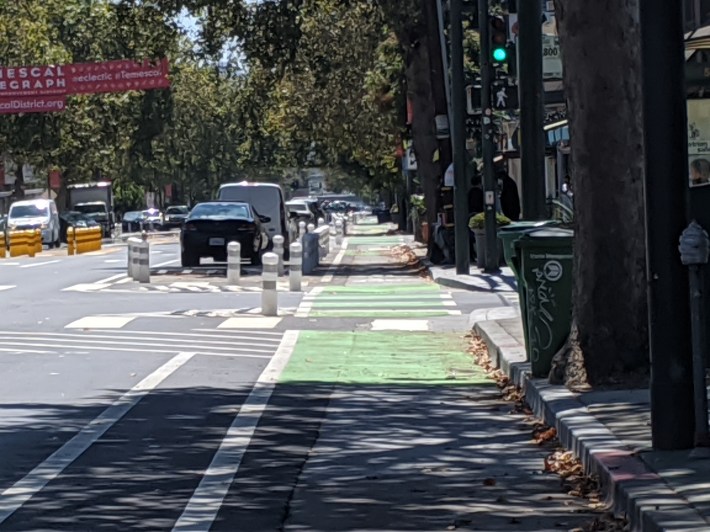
(500, 54)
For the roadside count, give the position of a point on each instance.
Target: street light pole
(458, 142)
(487, 145)
(666, 149)
(532, 142)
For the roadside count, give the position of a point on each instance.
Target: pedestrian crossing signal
(500, 54)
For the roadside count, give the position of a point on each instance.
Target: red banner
(32, 104)
(117, 76)
(41, 89)
(55, 179)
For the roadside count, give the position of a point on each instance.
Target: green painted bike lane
(378, 300)
(381, 358)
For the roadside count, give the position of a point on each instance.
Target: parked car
(76, 220)
(39, 214)
(175, 216)
(210, 226)
(132, 222)
(268, 200)
(301, 211)
(153, 220)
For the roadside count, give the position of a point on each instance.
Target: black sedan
(210, 226)
(76, 220)
(175, 216)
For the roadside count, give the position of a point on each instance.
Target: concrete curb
(630, 487)
(455, 281)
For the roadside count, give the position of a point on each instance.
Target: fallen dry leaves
(560, 461)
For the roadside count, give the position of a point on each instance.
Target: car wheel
(189, 260)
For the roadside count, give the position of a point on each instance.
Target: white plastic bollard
(234, 262)
(311, 228)
(279, 250)
(130, 259)
(301, 229)
(142, 273)
(269, 276)
(338, 233)
(295, 267)
(321, 221)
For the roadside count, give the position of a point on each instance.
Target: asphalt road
(180, 407)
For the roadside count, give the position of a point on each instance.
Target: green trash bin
(546, 270)
(508, 235)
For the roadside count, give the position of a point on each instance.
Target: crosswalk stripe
(100, 322)
(249, 352)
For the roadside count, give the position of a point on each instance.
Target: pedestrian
(699, 172)
(509, 198)
(475, 196)
(567, 186)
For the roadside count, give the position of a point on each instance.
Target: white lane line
(201, 510)
(6, 263)
(85, 349)
(24, 489)
(273, 337)
(6, 287)
(328, 277)
(27, 351)
(148, 345)
(36, 264)
(100, 322)
(110, 279)
(307, 304)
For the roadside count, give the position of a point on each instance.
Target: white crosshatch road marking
(249, 323)
(101, 322)
(6, 287)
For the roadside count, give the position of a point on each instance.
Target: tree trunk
(602, 75)
(19, 187)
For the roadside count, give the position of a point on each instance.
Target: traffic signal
(499, 40)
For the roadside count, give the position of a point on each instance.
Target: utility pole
(458, 142)
(532, 104)
(488, 147)
(666, 152)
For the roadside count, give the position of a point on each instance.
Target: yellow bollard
(38, 241)
(18, 243)
(3, 245)
(30, 245)
(71, 241)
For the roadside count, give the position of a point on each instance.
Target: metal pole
(444, 56)
(488, 146)
(697, 312)
(666, 186)
(532, 102)
(458, 142)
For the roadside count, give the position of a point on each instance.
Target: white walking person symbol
(502, 97)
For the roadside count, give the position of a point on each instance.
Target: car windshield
(220, 211)
(28, 211)
(176, 210)
(132, 215)
(98, 208)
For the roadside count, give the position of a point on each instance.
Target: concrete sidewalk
(608, 430)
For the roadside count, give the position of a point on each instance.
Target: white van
(36, 214)
(267, 200)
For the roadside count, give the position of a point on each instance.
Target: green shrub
(479, 220)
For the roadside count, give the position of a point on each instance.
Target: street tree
(602, 76)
